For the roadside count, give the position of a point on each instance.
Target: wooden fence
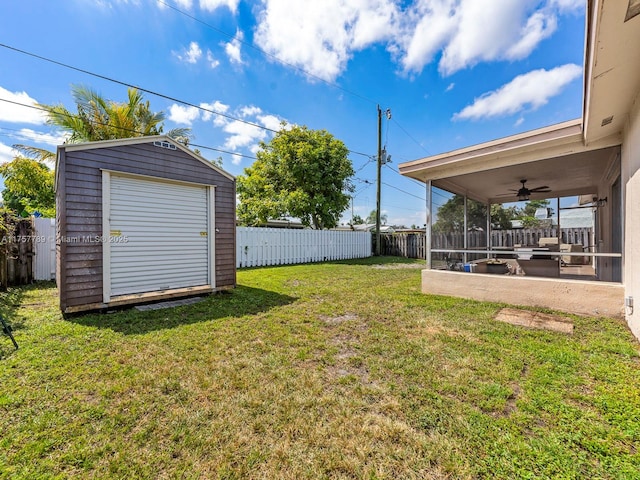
(16, 251)
(413, 245)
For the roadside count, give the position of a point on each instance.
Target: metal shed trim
(161, 269)
(139, 140)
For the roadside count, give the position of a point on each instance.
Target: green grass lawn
(335, 370)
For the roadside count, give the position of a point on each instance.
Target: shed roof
(72, 147)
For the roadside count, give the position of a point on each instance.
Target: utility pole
(387, 112)
(379, 181)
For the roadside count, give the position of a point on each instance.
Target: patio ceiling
(553, 156)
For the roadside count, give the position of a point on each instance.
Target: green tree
(28, 187)
(300, 173)
(372, 218)
(528, 213)
(451, 215)
(357, 220)
(100, 119)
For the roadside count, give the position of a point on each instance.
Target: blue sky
(453, 73)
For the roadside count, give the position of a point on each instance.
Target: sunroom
(594, 161)
(554, 268)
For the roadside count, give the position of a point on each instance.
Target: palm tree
(35, 153)
(101, 119)
(372, 217)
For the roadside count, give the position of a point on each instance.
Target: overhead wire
(130, 130)
(404, 191)
(411, 137)
(150, 92)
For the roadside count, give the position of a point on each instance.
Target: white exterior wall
(631, 197)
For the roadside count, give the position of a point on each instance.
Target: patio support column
(559, 232)
(488, 230)
(466, 232)
(427, 233)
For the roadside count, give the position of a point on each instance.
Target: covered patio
(595, 157)
(555, 157)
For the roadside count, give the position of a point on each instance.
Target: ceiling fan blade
(540, 189)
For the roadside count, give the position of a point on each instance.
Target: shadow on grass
(235, 303)
(10, 301)
(373, 260)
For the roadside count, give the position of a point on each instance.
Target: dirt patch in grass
(347, 317)
(399, 266)
(538, 320)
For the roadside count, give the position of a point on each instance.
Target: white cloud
(211, 5)
(192, 55)
(213, 62)
(494, 30)
(247, 132)
(271, 122)
(321, 36)
(216, 106)
(450, 87)
(539, 26)
(7, 153)
(519, 122)
(236, 159)
(183, 114)
(40, 138)
(467, 32)
(426, 28)
(532, 90)
(233, 48)
(242, 135)
(249, 110)
(11, 112)
(569, 5)
(186, 4)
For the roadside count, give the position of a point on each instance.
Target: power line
(418, 183)
(124, 129)
(151, 92)
(411, 137)
(130, 85)
(403, 191)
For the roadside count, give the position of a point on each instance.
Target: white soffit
(612, 66)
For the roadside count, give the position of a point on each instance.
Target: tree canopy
(100, 119)
(300, 173)
(28, 187)
(371, 218)
(451, 215)
(528, 213)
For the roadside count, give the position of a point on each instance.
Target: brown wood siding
(80, 211)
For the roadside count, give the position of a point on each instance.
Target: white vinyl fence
(256, 246)
(44, 263)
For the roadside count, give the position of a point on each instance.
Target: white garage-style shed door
(159, 235)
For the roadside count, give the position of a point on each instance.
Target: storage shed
(141, 219)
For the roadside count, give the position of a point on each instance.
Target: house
(371, 227)
(596, 157)
(141, 219)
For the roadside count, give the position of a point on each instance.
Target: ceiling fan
(523, 193)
